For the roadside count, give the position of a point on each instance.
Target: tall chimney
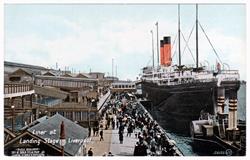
(62, 138)
(220, 99)
(232, 115)
(62, 131)
(162, 52)
(167, 50)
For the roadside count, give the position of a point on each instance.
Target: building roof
(83, 75)
(15, 143)
(123, 82)
(49, 73)
(72, 131)
(66, 78)
(69, 75)
(50, 92)
(96, 73)
(39, 120)
(111, 78)
(8, 135)
(26, 70)
(14, 64)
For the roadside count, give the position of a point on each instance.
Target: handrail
(10, 88)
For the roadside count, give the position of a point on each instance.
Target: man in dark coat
(101, 134)
(121, 138)
(89, 131)
(90, 152)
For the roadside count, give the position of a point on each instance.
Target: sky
(88, 36)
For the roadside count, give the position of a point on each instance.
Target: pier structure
(220, 111)
(39, 94)
(123, 86)
(220, 100)
(64, 82)
(233, 132)
(112, 144)
(32, 91)
(222, 131)
(29, 104)
(85, 115)
(125, 135)
(17, 101)
(230, 131)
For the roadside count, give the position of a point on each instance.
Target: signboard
(28, 152)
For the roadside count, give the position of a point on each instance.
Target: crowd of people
(90, 101)
(123, 113)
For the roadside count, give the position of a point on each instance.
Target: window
(92, 116)
(84, 116)
(52, 113)
(77, 116)
(69, 115)
(61, 113)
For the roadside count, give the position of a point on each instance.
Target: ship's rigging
(180, 37)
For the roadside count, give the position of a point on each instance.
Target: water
(183, 142)
(242, 102)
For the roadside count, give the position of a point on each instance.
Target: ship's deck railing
(175, 78)
(230, 74)
(160, 82)
(205, 72)
(201, 77)
(123, 86)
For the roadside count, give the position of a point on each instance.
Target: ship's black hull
(176, 106)
(214, 146)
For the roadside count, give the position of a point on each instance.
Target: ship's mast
(157, 44)
(179, 33)
(197, 51)
(153, 47)
(113, 69)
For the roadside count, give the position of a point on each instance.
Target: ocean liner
(179, 94)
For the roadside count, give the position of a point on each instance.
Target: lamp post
(36, 97)
(12, 108)
(89, 116)
(62, 138)
(13, 112)
(39, 114)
